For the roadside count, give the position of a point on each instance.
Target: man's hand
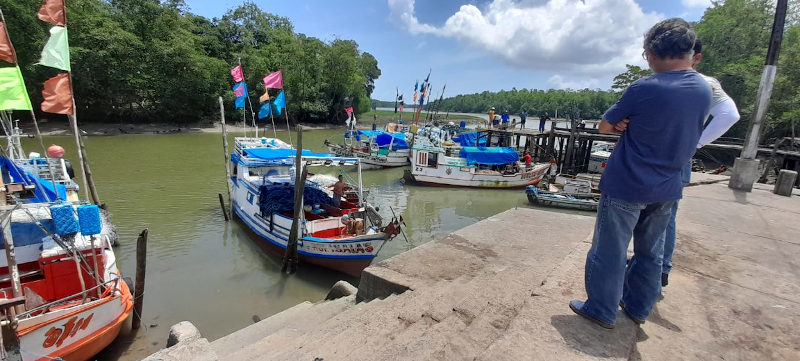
(622, 125)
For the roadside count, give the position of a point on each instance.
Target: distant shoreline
(58, 128)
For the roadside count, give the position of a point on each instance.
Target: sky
(478, 45)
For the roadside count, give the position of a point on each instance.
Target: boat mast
(8, 239)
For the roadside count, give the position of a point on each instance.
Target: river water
(213, 273)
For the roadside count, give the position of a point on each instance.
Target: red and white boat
(75, 300)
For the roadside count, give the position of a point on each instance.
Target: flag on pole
(13, 95)
(274, 80)
(237, 75)
(52, 11)
(415, 90)
(6, 50)
(57, 94)
(265, 111)
(240, 91)
(280, 102)
(56, 52)
(400, 100)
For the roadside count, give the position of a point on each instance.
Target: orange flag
(52, 11)
(6, 50)
(57, 94)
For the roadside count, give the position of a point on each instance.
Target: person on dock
(528, 160)
(522, 118)
(504, 119)
(724, 114)
(542, 120)
(660, 118)
(491, 117)
(338, 191)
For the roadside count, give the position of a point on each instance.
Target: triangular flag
(13, 95)
(56, 52)
(6, 50)
(57, 94)
(236, 73)
(274, 80)
(52, 11)
(264, 98)
(280, 102)
(265, 111)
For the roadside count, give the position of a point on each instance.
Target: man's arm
(607, 128)
(724, 115)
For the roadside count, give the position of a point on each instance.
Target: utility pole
(745, 168)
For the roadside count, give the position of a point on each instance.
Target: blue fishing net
(280, 198)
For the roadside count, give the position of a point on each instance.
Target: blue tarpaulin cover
(489, 156)
(383, 138)
(282, 153)
(44, 188)
(469, 140)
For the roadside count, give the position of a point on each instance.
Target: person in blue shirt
(659, 119)
(504, 119)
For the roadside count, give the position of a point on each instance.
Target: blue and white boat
(345, 238)
(375, 148)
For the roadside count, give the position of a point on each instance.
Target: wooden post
(13, 271)
(141, 268)
(222, 205)
(290, 257)
(569, 157)
(228, 213)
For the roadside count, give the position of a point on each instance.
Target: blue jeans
(670, 233)
(608, 281)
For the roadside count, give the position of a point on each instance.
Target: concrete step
(258, 330)
(295, 323)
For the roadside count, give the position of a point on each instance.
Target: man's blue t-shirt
(666, 112)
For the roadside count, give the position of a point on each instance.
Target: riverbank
(495, 291)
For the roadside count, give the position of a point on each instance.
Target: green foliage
(152, 61)
(632, 74)
(586, 103)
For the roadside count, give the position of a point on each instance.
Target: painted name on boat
(57, 335)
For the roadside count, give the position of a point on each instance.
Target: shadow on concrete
(740, 196)
(655, 318)
(591, 339)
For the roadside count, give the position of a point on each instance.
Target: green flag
(13, 95)
(56, 52)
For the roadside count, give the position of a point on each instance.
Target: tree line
(154, 61)
(735, 35)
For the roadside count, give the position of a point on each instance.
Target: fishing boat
(344, 238)
(374, 148)
(581, 201)
(438, 158)
(60, 274)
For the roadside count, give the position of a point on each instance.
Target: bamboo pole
(138, 289)
(227, 163)
(13, 270)
(44, 152)
(290, 257)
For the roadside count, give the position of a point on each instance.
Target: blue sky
(477, 45)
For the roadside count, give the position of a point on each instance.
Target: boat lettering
(250, 197)
(56, 336)
(418, 169)
(532, 174)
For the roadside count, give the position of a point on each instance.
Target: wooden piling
(290, 256)
(229, 212)
(222, 205)
(138, 289)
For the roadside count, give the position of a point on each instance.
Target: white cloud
(572, 38)
(560, 82)
(696, 3)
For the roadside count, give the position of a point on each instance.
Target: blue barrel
(463, 124)
(64, 219)
(89, 218)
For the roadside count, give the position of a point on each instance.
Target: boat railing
(43, 308)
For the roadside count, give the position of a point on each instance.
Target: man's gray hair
(672, 38)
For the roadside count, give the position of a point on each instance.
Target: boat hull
(76, 333)
(578, 204)
(456, 178)
(371, 160)
(349, 255)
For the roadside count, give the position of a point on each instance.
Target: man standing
(723, 115)
(491, 117)
(542, 119)
(504, 119)
(338, 191)
(522, 118)
(642, 180)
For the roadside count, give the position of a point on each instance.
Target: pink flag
(274, 80)
(238, 90)
(237, 74)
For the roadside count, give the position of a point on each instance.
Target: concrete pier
(498, 290)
